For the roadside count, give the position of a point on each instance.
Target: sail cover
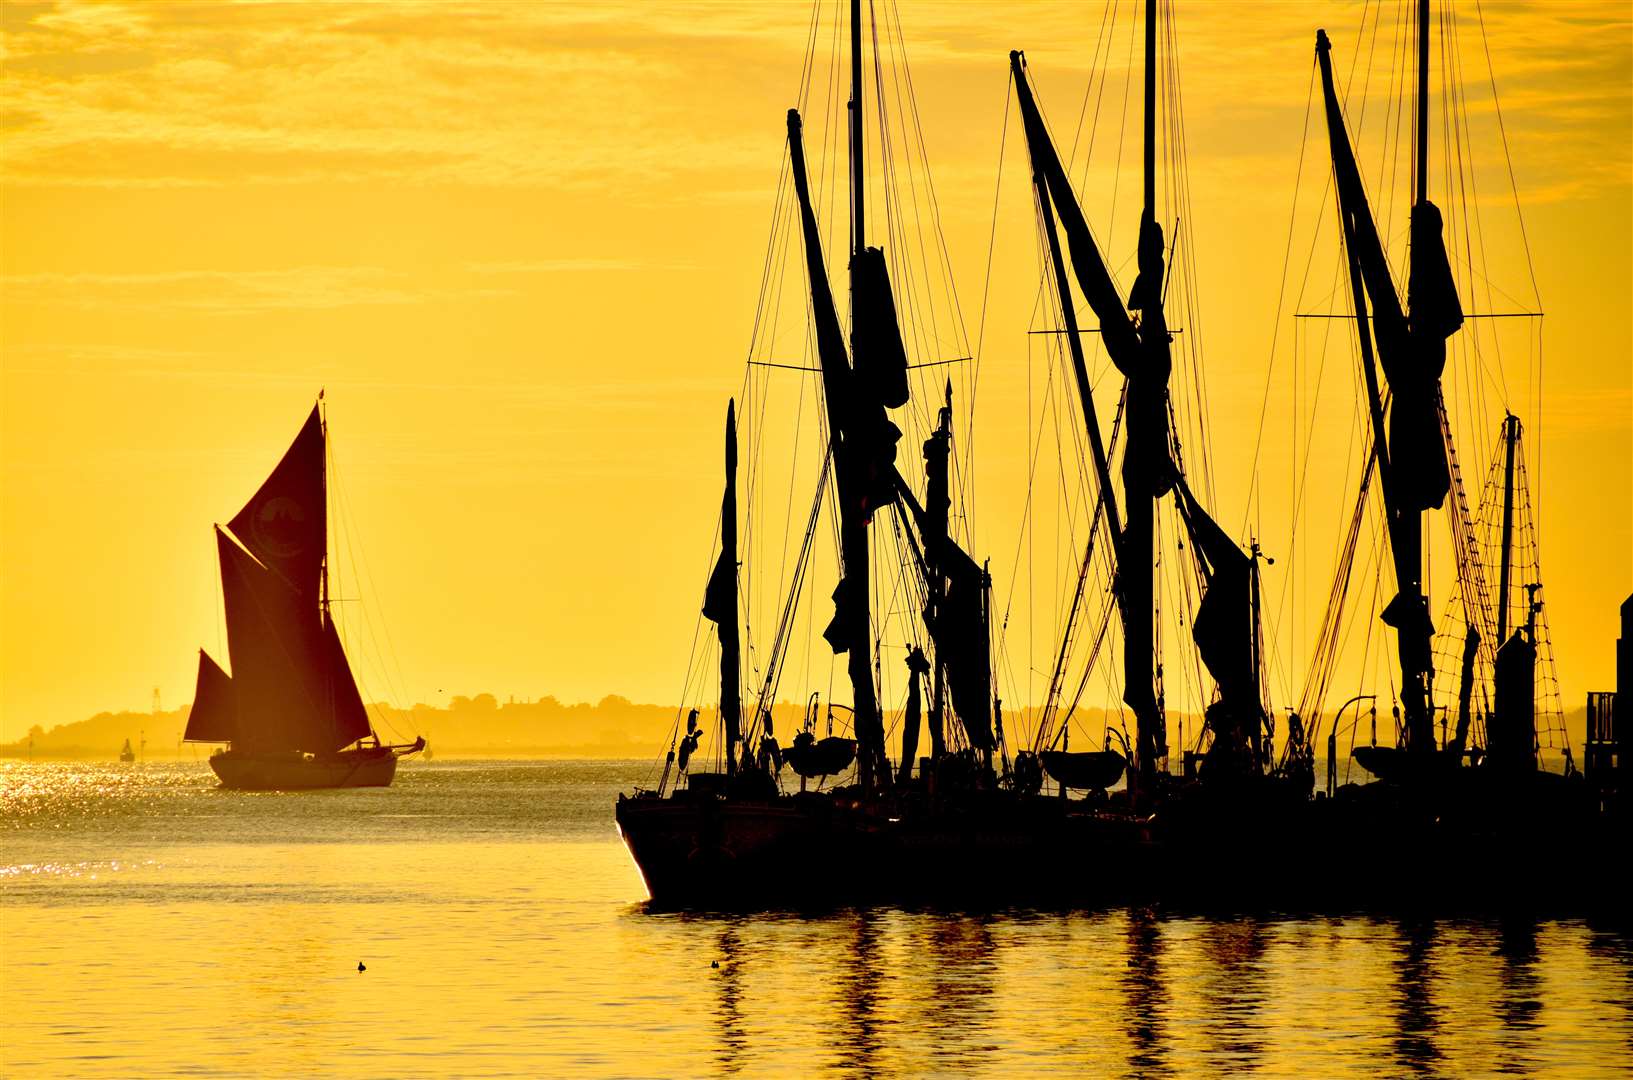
(212, 717)
(292, 684)
(1223, 627)
(960, 633)
(284, 524)
(881, 358)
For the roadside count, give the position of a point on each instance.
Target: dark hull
(1374, 849)
(248, 771)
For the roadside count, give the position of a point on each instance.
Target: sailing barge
(1242, 823)
(290, 713)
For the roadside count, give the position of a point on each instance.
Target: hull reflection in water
(153, 923)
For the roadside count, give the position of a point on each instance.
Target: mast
(1256, 647)
(1150, 108)
(323, 482)
(1423, 101)
(1411, 453)
(1136, 567)
(858, 162)
(872, 767)
(1511, 435)
(860, 441)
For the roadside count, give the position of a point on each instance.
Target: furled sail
(213, 715)
(960, 633)
(957, 621)
(284, 524)
(881, 358)
(1223, 627)
(1511, 734)
(720, 598)
(917, 668)
(1224, 632)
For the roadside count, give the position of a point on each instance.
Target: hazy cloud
(228, 291)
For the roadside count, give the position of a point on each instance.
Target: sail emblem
(280, 527)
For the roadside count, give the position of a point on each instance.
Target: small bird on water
(360, 967)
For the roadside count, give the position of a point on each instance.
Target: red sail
(213, 717)
(284, 525)
(351, 719)
(281, 664)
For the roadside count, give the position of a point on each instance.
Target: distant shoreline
(613, 729)
(479, 753)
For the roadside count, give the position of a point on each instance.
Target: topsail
(284, 524)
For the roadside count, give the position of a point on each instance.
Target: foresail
(284, 524)
(350, 717)
(213, 717)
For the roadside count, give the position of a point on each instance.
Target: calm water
(155, 925)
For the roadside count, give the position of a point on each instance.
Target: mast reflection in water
(147, 912)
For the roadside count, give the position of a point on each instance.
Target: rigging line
(986, 280)
(1122, 131)
(1519, 213)
(808, 61)
(964, 474)
(945, 264)
(1470, 196)
(1467, 315)
(1088, 88)
(921, 295)
(1281, 295)
(342, 499)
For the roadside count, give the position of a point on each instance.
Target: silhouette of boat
(127, 754)
(290, 713)
(1443, 822)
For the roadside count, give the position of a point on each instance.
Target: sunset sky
(519, 246)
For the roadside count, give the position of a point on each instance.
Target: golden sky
(520, 246)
